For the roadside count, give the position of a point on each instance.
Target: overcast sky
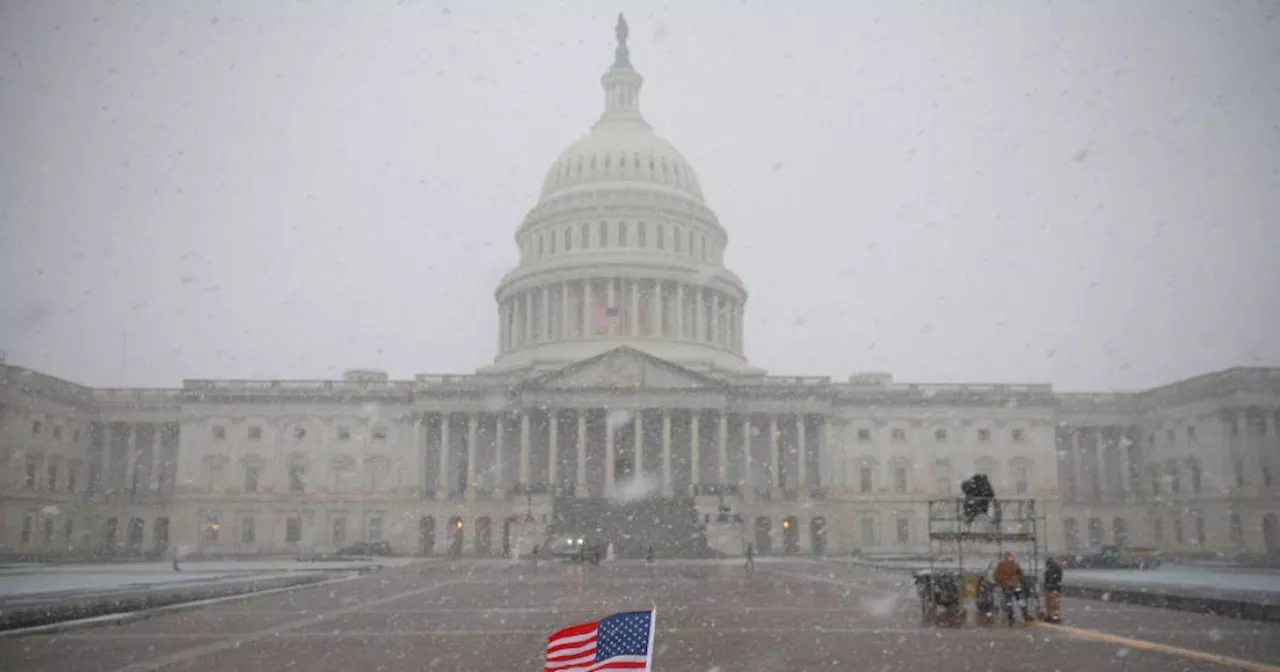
(1081, 193)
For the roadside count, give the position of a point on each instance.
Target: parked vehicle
(367, 548)
(1110, 557)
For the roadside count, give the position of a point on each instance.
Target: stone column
(553, 454)
(442, 478)
(131, 461)
(612, 302)
(586, 309)
(499, 437)
(633, 318)
(700, 317)
(1078, 465)
(527, 336)
(695, 417)
(742, 329)
(545, 318)
(564, 311)
(722, 449)
(1245, 445)
(748, 487)
(715, 319)
(679, 313)
(473, 423)
(802, 468)
(638, 423)
(1272, 455)
(656, 313)
(502, 327)
(582, 489)
(775, 459)
(609, 458)
(666, 453)
(524, 450)
(157, 432)
(419, 455)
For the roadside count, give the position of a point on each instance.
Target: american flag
(619, 642)
(606, 317)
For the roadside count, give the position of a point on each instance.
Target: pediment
(626, 367)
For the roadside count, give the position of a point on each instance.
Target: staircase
(671, 526)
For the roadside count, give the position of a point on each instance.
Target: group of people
(1012, 582)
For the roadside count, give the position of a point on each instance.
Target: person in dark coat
(751, 557)
(1053, 590)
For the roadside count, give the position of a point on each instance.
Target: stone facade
(621, 372)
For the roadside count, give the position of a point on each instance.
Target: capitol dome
(621, 250)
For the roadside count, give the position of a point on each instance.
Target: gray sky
(1082, 193)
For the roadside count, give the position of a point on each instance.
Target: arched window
(641, 235)
(539, 244)
(943, 475)
(622, 234)
(298, 474)
(568, 239)
(344, 473)
(662, 244)
(677, 234)
(1021, 468)
(867, 468)
(586, 235)
(604, 234)
(552, 234)
(379, 473)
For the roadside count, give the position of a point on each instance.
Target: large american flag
(619, 642)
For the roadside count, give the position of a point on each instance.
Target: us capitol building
(621, 373)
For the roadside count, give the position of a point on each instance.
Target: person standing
(751, 557)
(1053, 590)
(1009, 577)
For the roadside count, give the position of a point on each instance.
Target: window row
(254, 433)
(606, 165)
(343, 476)
(550, 241)
(946, 479)
(247, 532)
(56, 431)
(34, 479)
(1017, 435)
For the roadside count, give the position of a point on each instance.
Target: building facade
(621, 372)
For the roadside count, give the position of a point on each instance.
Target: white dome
(622, 151)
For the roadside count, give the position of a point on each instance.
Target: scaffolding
(978, 528)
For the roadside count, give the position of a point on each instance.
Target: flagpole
(653, 627)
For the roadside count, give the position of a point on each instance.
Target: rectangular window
(28, 519)
(904, 528)
(251, 478)
(586, 235)
(219, 432)
(339, 532)
(51, 478)
(642, 235)
(868, 529)
(71, 478)
(1191, 433)
(57, 431)
(622, 234)
(984, 435)
(29, 480)
(865, 479)
(344, 433)
(374, 530)
(247, 530)
(379, 433)
(900, 480)
(1157, 531)
(36, 427)
(899, 434)
(662, 243)
(864, 435)
(604, 234)
(1237, 530)
(1169, 436)
(1019, 434)
(211, 527)
(1177, 531)
(67, 528)
(944, 484)
(1020, 480)
(293, 530)
(297, 478)
(255, 433)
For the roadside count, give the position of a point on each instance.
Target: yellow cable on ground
(1159, 648)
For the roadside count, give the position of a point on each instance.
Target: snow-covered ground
(28, 579)
(1180, 579)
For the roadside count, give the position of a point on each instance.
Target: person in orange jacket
(1009, 577)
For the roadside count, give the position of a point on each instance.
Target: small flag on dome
(607, 317)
